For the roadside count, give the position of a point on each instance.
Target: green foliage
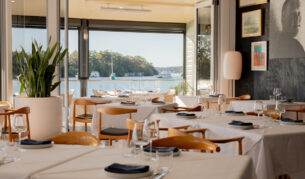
(36, 70)
(204, 57)
(183, 88)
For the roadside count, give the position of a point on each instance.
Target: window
(138, 61)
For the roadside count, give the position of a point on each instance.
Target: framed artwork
(259, 56)
(245, 3)
(251, 23)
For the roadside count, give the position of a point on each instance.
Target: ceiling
(175, 11)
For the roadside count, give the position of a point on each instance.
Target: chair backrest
(245, 97)
(116, 111)
(82, 102)
(6, 103)
(272, 113)
(186, 142)
(171, 92)
(76, 138)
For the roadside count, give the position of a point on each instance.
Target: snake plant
(37, 69)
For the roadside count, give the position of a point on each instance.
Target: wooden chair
(297, 111)
(176, 132)
(245, 97)
(181, 109)
(84, 118)
(186, 142)
(270, 113)
(8, 126)
(76, 138)
(114, 133)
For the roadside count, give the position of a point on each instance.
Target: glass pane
(74, 83)
(28, 24)
(139, 61)
(204, 53)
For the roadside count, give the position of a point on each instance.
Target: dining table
(74, 161)
(144, 111)
(275, 148)
(249, 106)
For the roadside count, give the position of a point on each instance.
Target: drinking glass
(259, 107)
(277, 92)
(164, 160)
(280, 109)
(151, 131)
(137, 135)
(19, 125)
(221, 101)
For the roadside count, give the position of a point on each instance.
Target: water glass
(280, 109)
(12, 151)
(164, 160)
(19, 125)
(221, 101)
(137, 135)
(259, 107)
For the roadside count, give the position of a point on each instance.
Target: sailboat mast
(111, 66)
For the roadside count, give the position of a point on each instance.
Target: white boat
(94, 74)
(112, 75)
(164, 75)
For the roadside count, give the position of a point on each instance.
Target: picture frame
(259, 55)
(252, 23)
(246, 3)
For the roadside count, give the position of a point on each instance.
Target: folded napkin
(291, 120)
(240, 123)
(158, 102)
(185, 114)
(234, 112)
(35, 142)
(161, 149)
(214, 95)
(93, 96)
(150, 91)
(123, 96)
(288, 101)
(128, 102)
(127, 169)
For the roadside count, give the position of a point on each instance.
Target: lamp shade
(232, 65)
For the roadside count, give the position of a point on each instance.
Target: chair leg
(110, 142)
(85, 127)
(297, 116)
(73, 125)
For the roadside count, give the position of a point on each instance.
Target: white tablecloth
(274, 148)
(33, 160)
(248, 106)
(145, 110)
(187, 101)
(188, 165)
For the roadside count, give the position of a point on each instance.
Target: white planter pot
(45, 116)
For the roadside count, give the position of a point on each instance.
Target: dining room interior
(152, 89)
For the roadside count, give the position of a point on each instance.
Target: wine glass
(258, 107)
(19, 125)
(277, 92)
(280, 109)
(138, 138)
(221, 101)
(151, 131)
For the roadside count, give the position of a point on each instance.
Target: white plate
(242, 127)
(123, 175)
(292, 123)
(187, 117)
(36, 146)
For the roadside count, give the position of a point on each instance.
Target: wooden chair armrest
(105, 102)
(179, 127)
(194, 130)
(170, 110)
(177, 107)
(236, 139)
(6, 110)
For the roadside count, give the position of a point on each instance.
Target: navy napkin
(35, 142)
(93, 96)
(158, 102)
(240, 123)
(161, 149)
(214, 95)
(128, 102)
(185, 114)
(150, 91)
(234, 112)
(123, 96)
(127, 169)
(288, 101)
(291, 120)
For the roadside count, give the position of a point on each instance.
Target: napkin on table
(35, 142)
(127, 169)
(240, 123)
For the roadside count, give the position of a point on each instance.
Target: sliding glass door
(206, 47)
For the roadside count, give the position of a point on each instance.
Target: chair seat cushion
(84, 116)
(5, 131)
(114, 131)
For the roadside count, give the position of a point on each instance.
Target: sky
(161, 49)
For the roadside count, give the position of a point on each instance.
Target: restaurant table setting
(276, 147)
(145, 110)
(72, 161)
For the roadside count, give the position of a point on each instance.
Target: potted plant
(36, 77)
